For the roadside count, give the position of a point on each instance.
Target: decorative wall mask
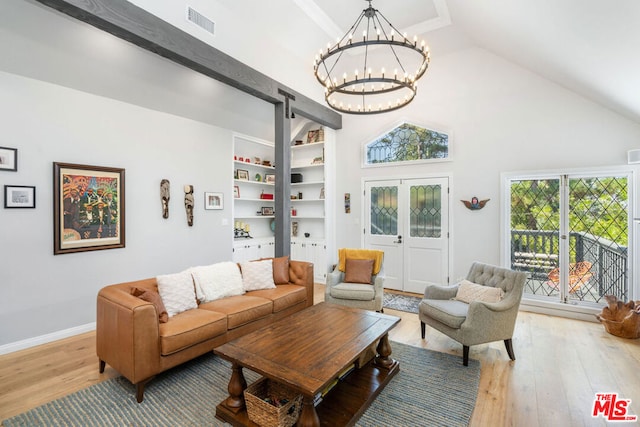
(165, 195)
(475, 204)
(188, 203)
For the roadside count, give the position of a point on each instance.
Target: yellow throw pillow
(469, 291)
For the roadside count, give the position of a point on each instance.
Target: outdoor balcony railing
(536, 252)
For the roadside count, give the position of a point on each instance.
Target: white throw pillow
(217, 281)
(469, 291)
(177, 292)
(257, 275)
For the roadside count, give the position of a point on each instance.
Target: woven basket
(267, 415)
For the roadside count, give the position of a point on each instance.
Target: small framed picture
(243, 174)
(8, 159)
(213, 201)
(270, 178)
(236, 192)
(19, 196)
(322, 193)
(267, 210)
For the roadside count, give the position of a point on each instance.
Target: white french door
(408, 219)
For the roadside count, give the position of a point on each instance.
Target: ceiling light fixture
(387, 65)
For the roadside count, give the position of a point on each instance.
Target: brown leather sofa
(130, 338)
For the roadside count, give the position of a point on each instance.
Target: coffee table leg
(237, 385)
(308, 415)
(384, 351)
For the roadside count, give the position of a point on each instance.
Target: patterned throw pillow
(217, 281)
(257, 275)
(358, 271)
(177, 292)
(469, 291)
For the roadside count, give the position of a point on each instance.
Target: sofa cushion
(353, 291)
(241, 309)
(217, 281)
(257, 275)
(154, 298)
(177, 292)
(469, 291)
(281, 270)
(283, 296)
(358, 270)
(190, 328)
(450, 312)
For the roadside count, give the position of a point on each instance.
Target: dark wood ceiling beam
(133, 24)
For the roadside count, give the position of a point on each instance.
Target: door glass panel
(598, 238)
(384, 210)
(535, 225)
(425, 211)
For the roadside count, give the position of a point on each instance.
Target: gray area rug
(400, 302)
(431, 389)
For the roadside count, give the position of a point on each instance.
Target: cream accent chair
(357, 295)
(477, 322)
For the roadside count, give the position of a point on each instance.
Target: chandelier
(376, 73)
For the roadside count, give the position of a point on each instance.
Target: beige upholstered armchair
(357, 280)
(460, 312)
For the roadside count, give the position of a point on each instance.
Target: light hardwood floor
(560, 365)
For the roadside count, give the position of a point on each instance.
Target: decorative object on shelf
(243, 174)
(165, 195)
(270, 178)
(347, 203)
(298, 142)
(247, 160)
(189, 202)
(395, 80)
(19, 196)
(621, 319)
(236, 192)
(475, 204)
(241, 230)
(257, 160)
(258, 177)
(296, 178)
(322, 193)
(266, 196)
(266, 163)
(213, 201)
(314, 136)
(300, 195)
(294, 228)
(8, 159)
(294, 211)
(88, 208)
(318, 161)
(266, 211)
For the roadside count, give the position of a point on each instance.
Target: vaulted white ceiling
(591, 47)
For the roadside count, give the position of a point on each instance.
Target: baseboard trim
(44, 339)
(561, 310)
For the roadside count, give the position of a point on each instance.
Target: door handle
(399, 240)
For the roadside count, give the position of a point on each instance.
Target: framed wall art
(213, 201)
(8, 159)
(243, 174)
(88, 208)
(19, 196)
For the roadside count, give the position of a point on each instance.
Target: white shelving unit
(309, 199)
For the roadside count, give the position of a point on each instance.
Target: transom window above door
(407, 143)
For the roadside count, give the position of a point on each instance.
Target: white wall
(71, 93)
(501, 118)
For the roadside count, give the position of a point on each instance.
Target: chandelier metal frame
(378, 33)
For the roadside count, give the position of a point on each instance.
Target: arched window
(407, 143)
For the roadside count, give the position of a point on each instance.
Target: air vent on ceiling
(200, 20)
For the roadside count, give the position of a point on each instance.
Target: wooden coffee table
(307, 352)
